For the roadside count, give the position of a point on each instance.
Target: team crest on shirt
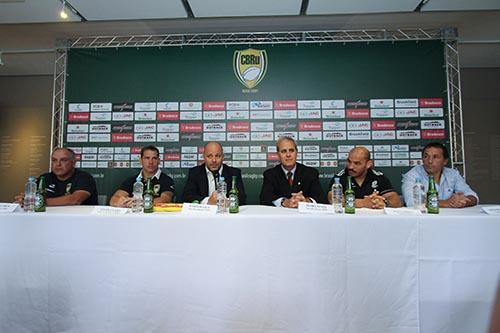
(250, 66)
(156, 189)
(374, 184)
(68, 188)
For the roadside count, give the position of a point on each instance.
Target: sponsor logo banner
(189, 157)
(214, 127)
(74, 117)
(262, 127)
(408, 135)
(328, 164)
(310, 156)
(191, 136)
(167, 116)
(240, 115)
(359, 135)
(77, 137)
(121, 107)
(145, 116)
(383, 124)
(431, 112)
(145, 106)
(333, 104)
(104, 165)
(105, 157)
(240, 156)
(382, 156)
(406, 103)
(106, 150)
(258, 164)
(310, 126)
(400, 155)
(122, 128)
(122, 157)
(262, 136)
(382, 113)
(407, 124)
(258, 149)
(289, 134)
(189, 150)
(382, 148)
(400, 163)
(311, 114)
(167, 106)
(415, 162)
(333, 114)
(358, 113)
(78, 128)
(261, 105)
(310, 149)
(432, 124)
(121, 165)
(285, 105)
(334, 135)
(415, 155)
(272, 157)
(345, 148)
(100, 128)
(214, 136)
(126, 150)
(241, 149)
(78, 107)
(192, 127)
(312, 164)
(328, 156)
(334, 126)
(285, 114)
(100, 116)
(167, 137)
(358, 125)
(89, 165)
(384, 135)
(381, 103)
(120, 116)
(214, 106)
(190, 106)
(188, 164)
(191, 115)
(172, 127)
(100, 107)
(250, 66)
(430, 102)
(172, 164)
(309, 104)
(359, 104)
(286, 126)
(238, 136)
(144, 137)
(310, 136)
(240, 164)
(434, 134)
(382, 163)
(407, 113)
(146, 128)
(258, 156)
(214, 115)
(400, 147)
(238, 126)
(237, 105)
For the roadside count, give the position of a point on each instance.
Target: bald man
(371, 188)
(202, 179)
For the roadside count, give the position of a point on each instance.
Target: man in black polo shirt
(163, 185)
(372, 189)
(65, 185)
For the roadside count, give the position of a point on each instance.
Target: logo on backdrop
(250, 66)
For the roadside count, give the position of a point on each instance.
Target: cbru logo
(250, 66)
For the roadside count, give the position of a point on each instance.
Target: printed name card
(402, 211)
(491, 210)
(106, 210)
(315, 208)
(8, 207)
(198, 209)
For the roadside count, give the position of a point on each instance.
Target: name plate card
(402, 211)
(491, 210)
(106, 210)
(8, 207)
(315, 208)
(198, 209)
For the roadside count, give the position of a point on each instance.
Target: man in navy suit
(202, 179)
(290, 182)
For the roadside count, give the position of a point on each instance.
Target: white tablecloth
(264, 270)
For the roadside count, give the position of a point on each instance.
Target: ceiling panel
(462, 5)
(33, 11)
(220, 8)
(129, 9)
(324, 7)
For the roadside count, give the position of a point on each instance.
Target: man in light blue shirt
(452, 188)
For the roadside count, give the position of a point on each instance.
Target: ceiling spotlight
(63, 13)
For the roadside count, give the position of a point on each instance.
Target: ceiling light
(63, 13)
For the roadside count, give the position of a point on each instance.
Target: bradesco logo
(310, 126)
(430, 102)
(250, 66)
(194, 127)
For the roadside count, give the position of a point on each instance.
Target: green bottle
(432, 197)
(40, 202)
(350, 198)
(234, 203)
(148, 198)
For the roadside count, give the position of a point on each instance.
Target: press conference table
(263, 270)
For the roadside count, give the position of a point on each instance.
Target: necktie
(289, 178)
(216, 177)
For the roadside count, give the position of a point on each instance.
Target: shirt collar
(156, 175)
(286, 171)
(207, 170)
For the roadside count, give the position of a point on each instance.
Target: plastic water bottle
(29, 195)
(419, 195)
(337, 196)
(137, 200)
(221, 196)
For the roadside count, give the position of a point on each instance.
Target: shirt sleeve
(407, 187)
(385, 185)
(167, 184)
(84, 182)
(461, 186)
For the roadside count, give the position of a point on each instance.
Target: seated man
(202, 179)
(289, 182)
(66, 185)
(163, 185)
(371, 188)
(452, 188)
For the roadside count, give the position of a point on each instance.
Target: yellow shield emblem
(250, 66)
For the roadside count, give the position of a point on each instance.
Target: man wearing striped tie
(289, 182)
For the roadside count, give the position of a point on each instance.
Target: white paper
(8, 207)
(198, 209)
(491, 210)
(106, 210)
(315, 208)
(402, 211)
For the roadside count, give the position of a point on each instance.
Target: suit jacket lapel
(204, 181)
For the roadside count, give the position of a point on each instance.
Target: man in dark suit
(290, 182)
(202, 179)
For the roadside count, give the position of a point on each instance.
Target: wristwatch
(386, 202)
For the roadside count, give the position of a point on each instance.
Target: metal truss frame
(447, 35)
